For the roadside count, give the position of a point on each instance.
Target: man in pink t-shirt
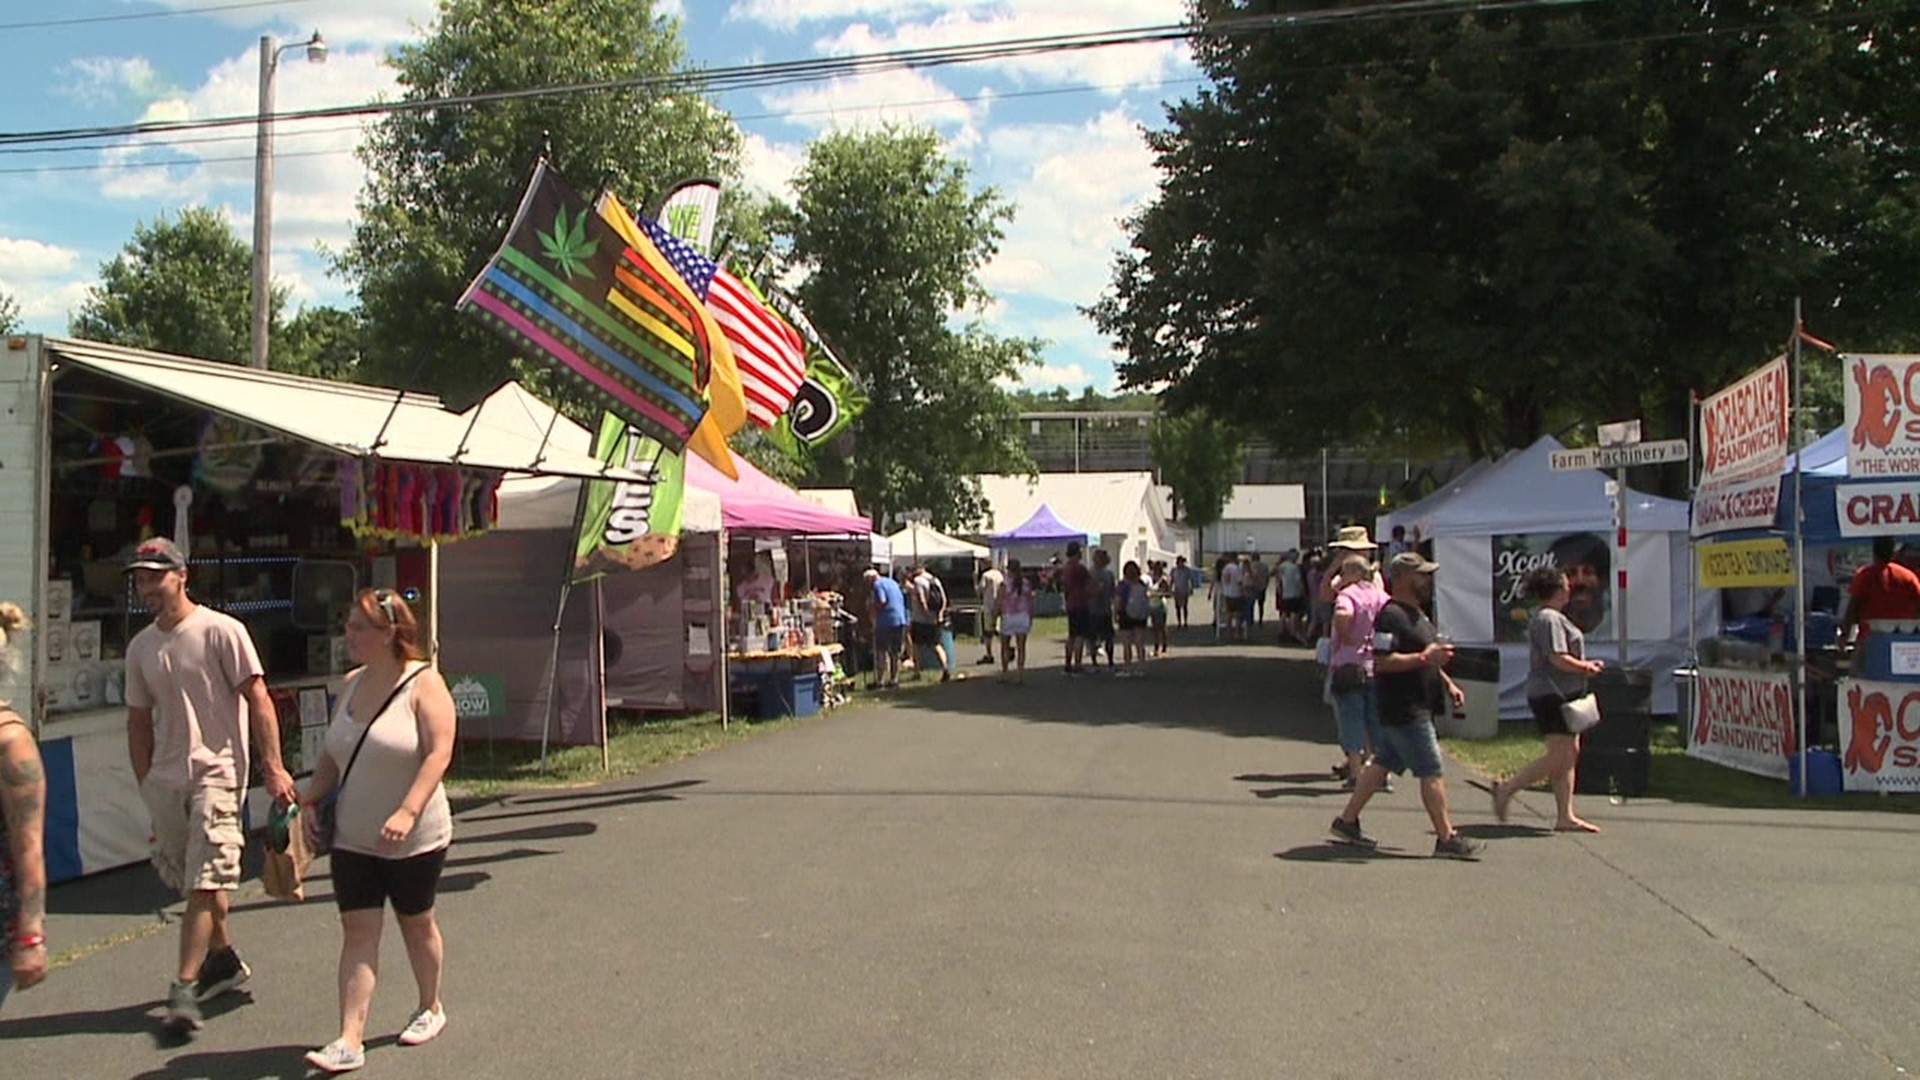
(1350, 662)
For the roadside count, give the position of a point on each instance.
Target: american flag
(768, 352)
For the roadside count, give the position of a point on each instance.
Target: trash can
(1685, 684)
(1616, 755)
(1477, 671)
(966, 623)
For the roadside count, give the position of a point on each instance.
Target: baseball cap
(159, 553)
(1411, 562)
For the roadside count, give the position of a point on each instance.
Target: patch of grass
(1671, 774)
(77, 953)
(486, 769)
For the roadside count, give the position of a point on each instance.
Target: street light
(263, 187)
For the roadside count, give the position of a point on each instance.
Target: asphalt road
(1094, 877)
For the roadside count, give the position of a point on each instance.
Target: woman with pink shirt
(1016, 620)
(1355, 606)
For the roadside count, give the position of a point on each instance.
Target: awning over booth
(758, 501)
(918, 541)
(348, 418)
(1042, 528)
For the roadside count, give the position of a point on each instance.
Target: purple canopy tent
(1041, 529)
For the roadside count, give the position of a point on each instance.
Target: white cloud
(316, 175)
(32, 259)
(45, 307)
(1072, 186)
(770, 166)
(1115, 67)
(106, 80)
(904, 97)
(340, 22)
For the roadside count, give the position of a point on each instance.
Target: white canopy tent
(1517, 513)
(917, 542)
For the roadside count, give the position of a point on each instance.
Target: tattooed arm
(23, 793)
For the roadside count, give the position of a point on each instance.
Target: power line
(103, 166)
(130, 16)
(746, 76)
(95, 147)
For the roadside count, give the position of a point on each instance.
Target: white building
(1267, 518)
(1122, 508)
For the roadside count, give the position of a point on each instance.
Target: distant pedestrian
(387, 749)
(1412, 685)
(1100, 597)
(1293, 597)
(990, 581)
(1259, 577)
(887, 608)
(1075, 581)
(1229, 597)
(1557, 672)
(927, 600)
(194, 687)
(1132, 608)
(1183, 585)
(1159, 587)
(23, 800)
(1016, 621)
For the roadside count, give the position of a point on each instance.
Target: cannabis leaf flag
(629, 525)
(568, 289)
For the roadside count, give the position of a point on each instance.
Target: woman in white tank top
(388, 746)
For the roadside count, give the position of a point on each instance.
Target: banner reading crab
(1883, 415)
(1880, 738)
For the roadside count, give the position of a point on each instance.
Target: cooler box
(788, 695)
(1477, 671)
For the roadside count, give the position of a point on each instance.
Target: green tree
(179, 286)
(1200, 458)
(892, 237)
(441, 182)
(322, 343)
(9, 314)
(1481, 228)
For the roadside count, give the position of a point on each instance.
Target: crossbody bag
(326, 815)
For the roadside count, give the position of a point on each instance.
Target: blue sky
(1058, 134)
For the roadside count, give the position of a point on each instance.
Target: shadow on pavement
(593, 793)
(1330, 852)
(1247, 691)
(124, 1020)
(266, 1062)
(559, 830)
(574, 805)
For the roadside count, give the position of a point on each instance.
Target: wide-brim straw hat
(1354, 538)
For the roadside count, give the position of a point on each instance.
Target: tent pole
(721, 619)
(1693, 559)
(553, 670)
(600, 676)
(1799, 666)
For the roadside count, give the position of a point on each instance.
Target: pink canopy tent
(758, 501)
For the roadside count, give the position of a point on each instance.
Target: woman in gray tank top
(1557, 671)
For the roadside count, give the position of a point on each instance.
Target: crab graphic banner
(607, 310)
(1880, 734)
(1883, 415)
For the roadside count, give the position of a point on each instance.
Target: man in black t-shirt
(1410, 685)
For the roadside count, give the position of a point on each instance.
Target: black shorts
(367, 882)
(1128, 622)
(924, 633)
(1101, 627)
(1293, 605)
(1547, 714)
(1079, 623)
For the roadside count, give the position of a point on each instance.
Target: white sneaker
(337, 1057)
(424, 1026)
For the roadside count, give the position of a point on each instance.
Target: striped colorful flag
(568, 289)
(767, 352)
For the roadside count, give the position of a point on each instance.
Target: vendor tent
(917, 542)
(1519, 513)
(758, 501)
(500, 592)
(1119, 511)
(1041, 529)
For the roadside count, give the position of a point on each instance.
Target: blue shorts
(1358, 712)
(1404, 747)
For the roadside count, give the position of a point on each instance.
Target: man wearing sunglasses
(194, 687)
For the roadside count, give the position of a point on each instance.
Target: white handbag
(1581, 713)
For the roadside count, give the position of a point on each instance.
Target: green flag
(829, 397)
(629, 525)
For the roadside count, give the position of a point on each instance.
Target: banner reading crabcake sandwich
(1879, 735)
(1743, 720)
(1743, 429)
(1883, 415)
